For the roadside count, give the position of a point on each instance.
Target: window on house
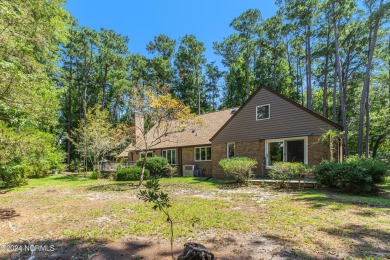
(230, 148)
(148, 154)
(286, 150)
(263, 112)
(170, 154)
(203, 153)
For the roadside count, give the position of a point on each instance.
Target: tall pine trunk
(334, 105)
(364, 101)
(325, 94)
(342, 94)
(308, 70)
(69, 123)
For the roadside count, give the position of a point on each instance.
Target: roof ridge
(219, 111)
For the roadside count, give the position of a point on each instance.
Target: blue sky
(141, 20)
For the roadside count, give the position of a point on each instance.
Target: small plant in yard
(161, 202)
(94, 175)
(238, 168)
(286, 171)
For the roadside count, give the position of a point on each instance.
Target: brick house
(268, 127)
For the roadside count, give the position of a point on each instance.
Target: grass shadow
(114, 187)
(367, 241)
(5, 190)
(68, 177)
(323, 198)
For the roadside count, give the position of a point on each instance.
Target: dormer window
(263, 112)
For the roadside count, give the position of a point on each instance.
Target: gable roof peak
(326, 120)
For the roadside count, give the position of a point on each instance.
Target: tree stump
(195, 251)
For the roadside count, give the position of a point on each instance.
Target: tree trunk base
(195, 251)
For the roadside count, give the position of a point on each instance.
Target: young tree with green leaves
(95, 138)
(160, 117)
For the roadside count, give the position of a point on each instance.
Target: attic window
(263, 112)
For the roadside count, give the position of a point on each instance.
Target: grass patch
(326, 198)
(313, 222)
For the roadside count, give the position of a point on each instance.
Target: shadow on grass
(320, 198)
(5, 190)
(8, 213)
(220, 184)
(68, 177)
(84, 249)
(366, 241)
(114, 187)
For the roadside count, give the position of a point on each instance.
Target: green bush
(131, 174)
(374, 168)
(169, 171)
(94, 175)
(324, 174)
(238, 168)
(286, 171)
(346, 176)
(12, 176)
(156, 165)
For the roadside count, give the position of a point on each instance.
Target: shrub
(374, 168)
(324, 174)
(238, 168)
(12, 176)
(155, 165)
(169, 171)
(131, 174)
(345, 176)
(94, 175)
(285, 171)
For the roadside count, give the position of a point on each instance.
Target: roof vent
(234, 110)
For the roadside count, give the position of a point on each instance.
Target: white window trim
(201, 156)
(140, 154)
(227, 149)
(305, 151)
(269, 112)
(162, 151)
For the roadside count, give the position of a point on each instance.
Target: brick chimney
(138, 122)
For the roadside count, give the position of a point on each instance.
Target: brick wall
(254, 150)
(189, 159)
(218, 152)
(317, 151)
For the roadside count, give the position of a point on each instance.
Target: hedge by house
(356, 174)
(238, 168)
(131, 174)
(286, 171)
(157, 166)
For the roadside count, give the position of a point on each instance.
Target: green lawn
(308, 223)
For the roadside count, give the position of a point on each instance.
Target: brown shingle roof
(192, 136)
